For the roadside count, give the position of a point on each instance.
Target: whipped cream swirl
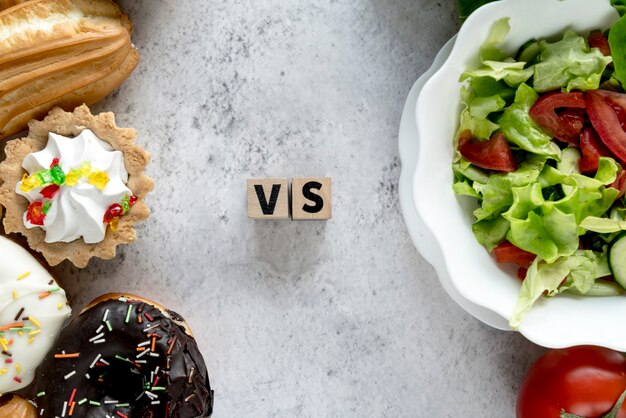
(71, 184)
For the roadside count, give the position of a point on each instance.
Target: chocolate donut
(122, 357)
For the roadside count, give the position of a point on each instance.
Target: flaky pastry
(60, 53)
(16, 407)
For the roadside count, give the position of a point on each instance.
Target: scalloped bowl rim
(561, 321)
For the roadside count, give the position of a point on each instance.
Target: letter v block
(268, 198)
(311, 198)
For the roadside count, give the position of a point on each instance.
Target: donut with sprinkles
(33, 309)
(122, 357)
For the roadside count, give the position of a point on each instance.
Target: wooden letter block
(311, 198)
(268, 198)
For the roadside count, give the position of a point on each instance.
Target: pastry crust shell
(71, 125)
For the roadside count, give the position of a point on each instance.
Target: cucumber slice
(528, 52)
(617, 259)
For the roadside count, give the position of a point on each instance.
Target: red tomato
(505, 252)
(621, 115)
(620, 183)
(592, 149)
(583, 380)
(492, 154)
(575, 119)
(598, 40)
(544, 113)
(603, 107)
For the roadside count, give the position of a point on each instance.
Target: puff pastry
(60, 53)
(5, 4)
(15, 407)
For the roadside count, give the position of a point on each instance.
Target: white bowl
(558, 322)
(408, 144)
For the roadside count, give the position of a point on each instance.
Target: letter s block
(311, 198)
(268, 198)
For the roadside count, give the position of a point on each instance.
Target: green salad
(541, 146)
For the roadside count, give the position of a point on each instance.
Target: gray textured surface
(340, 319)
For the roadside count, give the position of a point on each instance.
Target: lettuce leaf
(549, 227)
(569, 64)
(496, 64)
(511, 72)
(487, 86)
(497, 194)
(490, 232)
(539, 228)
(580, 270)
(490, 48)
(617, 37)
(463, 169)
(520, 129)
(475, 115)
(603, 225)
(464, 188)
(607, 171)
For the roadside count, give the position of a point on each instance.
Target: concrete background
(321, 319)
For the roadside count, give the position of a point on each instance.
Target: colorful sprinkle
(98, 178)
(72, 355)
(34, 213)
(130, 308)
(50, 191)
(12, 326)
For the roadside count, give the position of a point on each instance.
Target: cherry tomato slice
(544, 113)
(605, 120)
(598, 40)
(620, 183)
(505, 252)
(575, 119)
(621, 115)
(492, 154)
(592, 149)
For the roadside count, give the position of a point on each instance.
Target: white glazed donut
(33, 308)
